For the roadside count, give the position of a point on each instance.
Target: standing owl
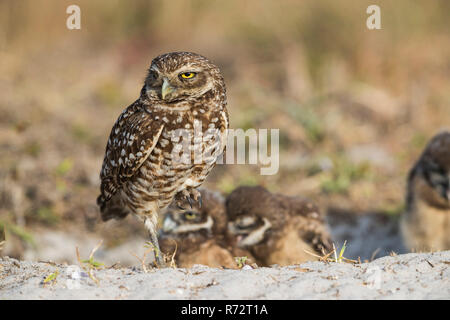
(164, 145)
(426, 223)
(275, 228)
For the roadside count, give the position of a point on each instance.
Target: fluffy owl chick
(276, 229)
(426, 223)
(198, 234)
(166, 142)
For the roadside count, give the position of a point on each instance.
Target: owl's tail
(112, 208)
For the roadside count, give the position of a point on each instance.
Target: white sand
(407, 276)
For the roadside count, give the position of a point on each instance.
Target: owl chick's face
(251, 212)
(431, 176)
(439, 181)
(178, 76)
(431, 184)
(183, 223)
(249, 230)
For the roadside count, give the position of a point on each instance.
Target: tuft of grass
(51, 278)
(150, 248)
(341, 252)
(47, 215)
(81, 133)
(172, 257)
(419, 140)
(18, 231)
(153, 248)
(109, 93)
(394, 210)
(343, 174)
(228, 183)
(64, 167)
(240, 261)
(89, 265)
(142, 260)
(32, 148)
(310, 121)
(337, 258)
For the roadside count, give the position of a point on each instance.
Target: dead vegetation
(333, 256)
(90, 265)
(2, 238)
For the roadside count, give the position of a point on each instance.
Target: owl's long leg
(190, 195)
(150, 224)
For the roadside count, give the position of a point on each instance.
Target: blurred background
(354, 106)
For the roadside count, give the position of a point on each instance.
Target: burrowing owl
(165, 144)
(277, 229)
(426, 223)
(199, 234)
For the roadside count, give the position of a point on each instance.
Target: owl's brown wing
(314, 228)
(316, 233)
(132, 139)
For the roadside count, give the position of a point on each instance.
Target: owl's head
(429, 179)
(178, 76)
(198, 223)
(252, 214)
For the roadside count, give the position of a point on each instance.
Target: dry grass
(2, 238)
(143, 259)
(333, 256)
(90, 265)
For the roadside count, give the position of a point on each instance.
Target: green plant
(47, 215)
(17, 231)
(89, 265)
(51, 278)
(240, 261)
(337, 258)
(343, 174)
(64, 167)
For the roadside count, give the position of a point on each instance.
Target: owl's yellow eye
(187, 75)
(190, 215)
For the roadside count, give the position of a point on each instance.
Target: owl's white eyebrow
(154, 68)
(256, 236)
(188, 69)
(195, 227)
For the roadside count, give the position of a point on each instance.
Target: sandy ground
(407, 276)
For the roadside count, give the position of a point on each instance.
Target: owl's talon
(200, 201)
(191, 196)
(189, 199)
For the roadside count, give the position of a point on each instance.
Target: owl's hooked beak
(166, 88)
